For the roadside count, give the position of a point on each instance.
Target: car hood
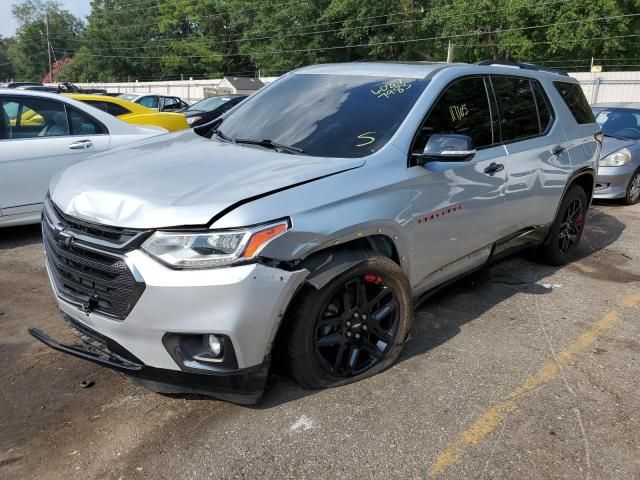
(612, 144)
(181, 179)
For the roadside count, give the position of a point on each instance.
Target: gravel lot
(519, 371)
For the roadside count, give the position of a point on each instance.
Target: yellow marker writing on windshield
(366, 136)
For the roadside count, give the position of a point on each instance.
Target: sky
(80, 8)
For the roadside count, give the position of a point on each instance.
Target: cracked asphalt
(518, 371)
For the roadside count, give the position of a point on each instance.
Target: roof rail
(524, 66)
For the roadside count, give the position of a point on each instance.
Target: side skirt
(525, 238)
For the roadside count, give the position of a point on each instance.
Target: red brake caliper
(373, 279)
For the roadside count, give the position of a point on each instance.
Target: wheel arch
(326, 263)
(586, 179)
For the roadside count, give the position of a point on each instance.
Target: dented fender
(327, 265)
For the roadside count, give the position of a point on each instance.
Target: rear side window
(83, 124)
(573, 96)
(463, 108)
(116, 110)
(101, 105)
(544, 106)
(518, 110)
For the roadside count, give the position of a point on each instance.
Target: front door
(458, 207)
(40, 138)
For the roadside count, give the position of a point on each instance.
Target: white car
(161, 103)
(43, 133)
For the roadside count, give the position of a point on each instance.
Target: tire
(330, 324)
(561, 243)
(633, 189)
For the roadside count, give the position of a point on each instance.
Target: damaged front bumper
(243, 386)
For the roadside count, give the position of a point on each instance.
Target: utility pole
(46, 25)
(450, 53)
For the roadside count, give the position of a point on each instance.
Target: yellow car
(132, 112)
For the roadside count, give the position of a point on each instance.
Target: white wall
(189, 90)
(598, 87)
(610, 86)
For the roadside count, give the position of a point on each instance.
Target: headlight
(616, 159)
(211, 249)
(192, 120)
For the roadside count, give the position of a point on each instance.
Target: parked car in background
(23, 84)
(210, 108)
(304, 222)
(64, 87)
(42, 133)
(134, 113)
(161, 103)
(619, 171)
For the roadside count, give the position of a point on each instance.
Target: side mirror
(448, 147)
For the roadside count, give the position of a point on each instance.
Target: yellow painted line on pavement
(493, 417)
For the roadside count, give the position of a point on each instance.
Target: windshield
(128, 96)
(619, 122)
(326, 115)
(209, 104)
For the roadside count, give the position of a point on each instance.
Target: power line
(395, 42)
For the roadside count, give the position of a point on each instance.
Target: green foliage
(153, 39)
(28, 54)
(6, 68)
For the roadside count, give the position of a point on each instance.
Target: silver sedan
(619, 171)
(43, 133)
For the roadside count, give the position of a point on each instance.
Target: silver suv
(308, 221)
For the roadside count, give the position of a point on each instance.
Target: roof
(131, 106)
(426, 69)
(379, 69)
(245, 83)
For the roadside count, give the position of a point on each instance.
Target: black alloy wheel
(565, 232)
(352, 327)
(357, 326)
(571, 226)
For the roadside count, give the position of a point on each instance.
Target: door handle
(81, 145)
(558, 149)
(494, 168)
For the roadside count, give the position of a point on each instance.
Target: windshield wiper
(269, 144)
(221, 135)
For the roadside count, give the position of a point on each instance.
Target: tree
(6, 67)
(28, 53)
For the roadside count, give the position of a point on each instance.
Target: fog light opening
(215, 345)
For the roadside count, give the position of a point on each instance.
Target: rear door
(43, 137)
(538, 164)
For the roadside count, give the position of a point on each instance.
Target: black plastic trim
(183, 347)
(244, 386)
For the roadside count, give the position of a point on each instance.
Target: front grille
(90, 277)
(99, 234)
